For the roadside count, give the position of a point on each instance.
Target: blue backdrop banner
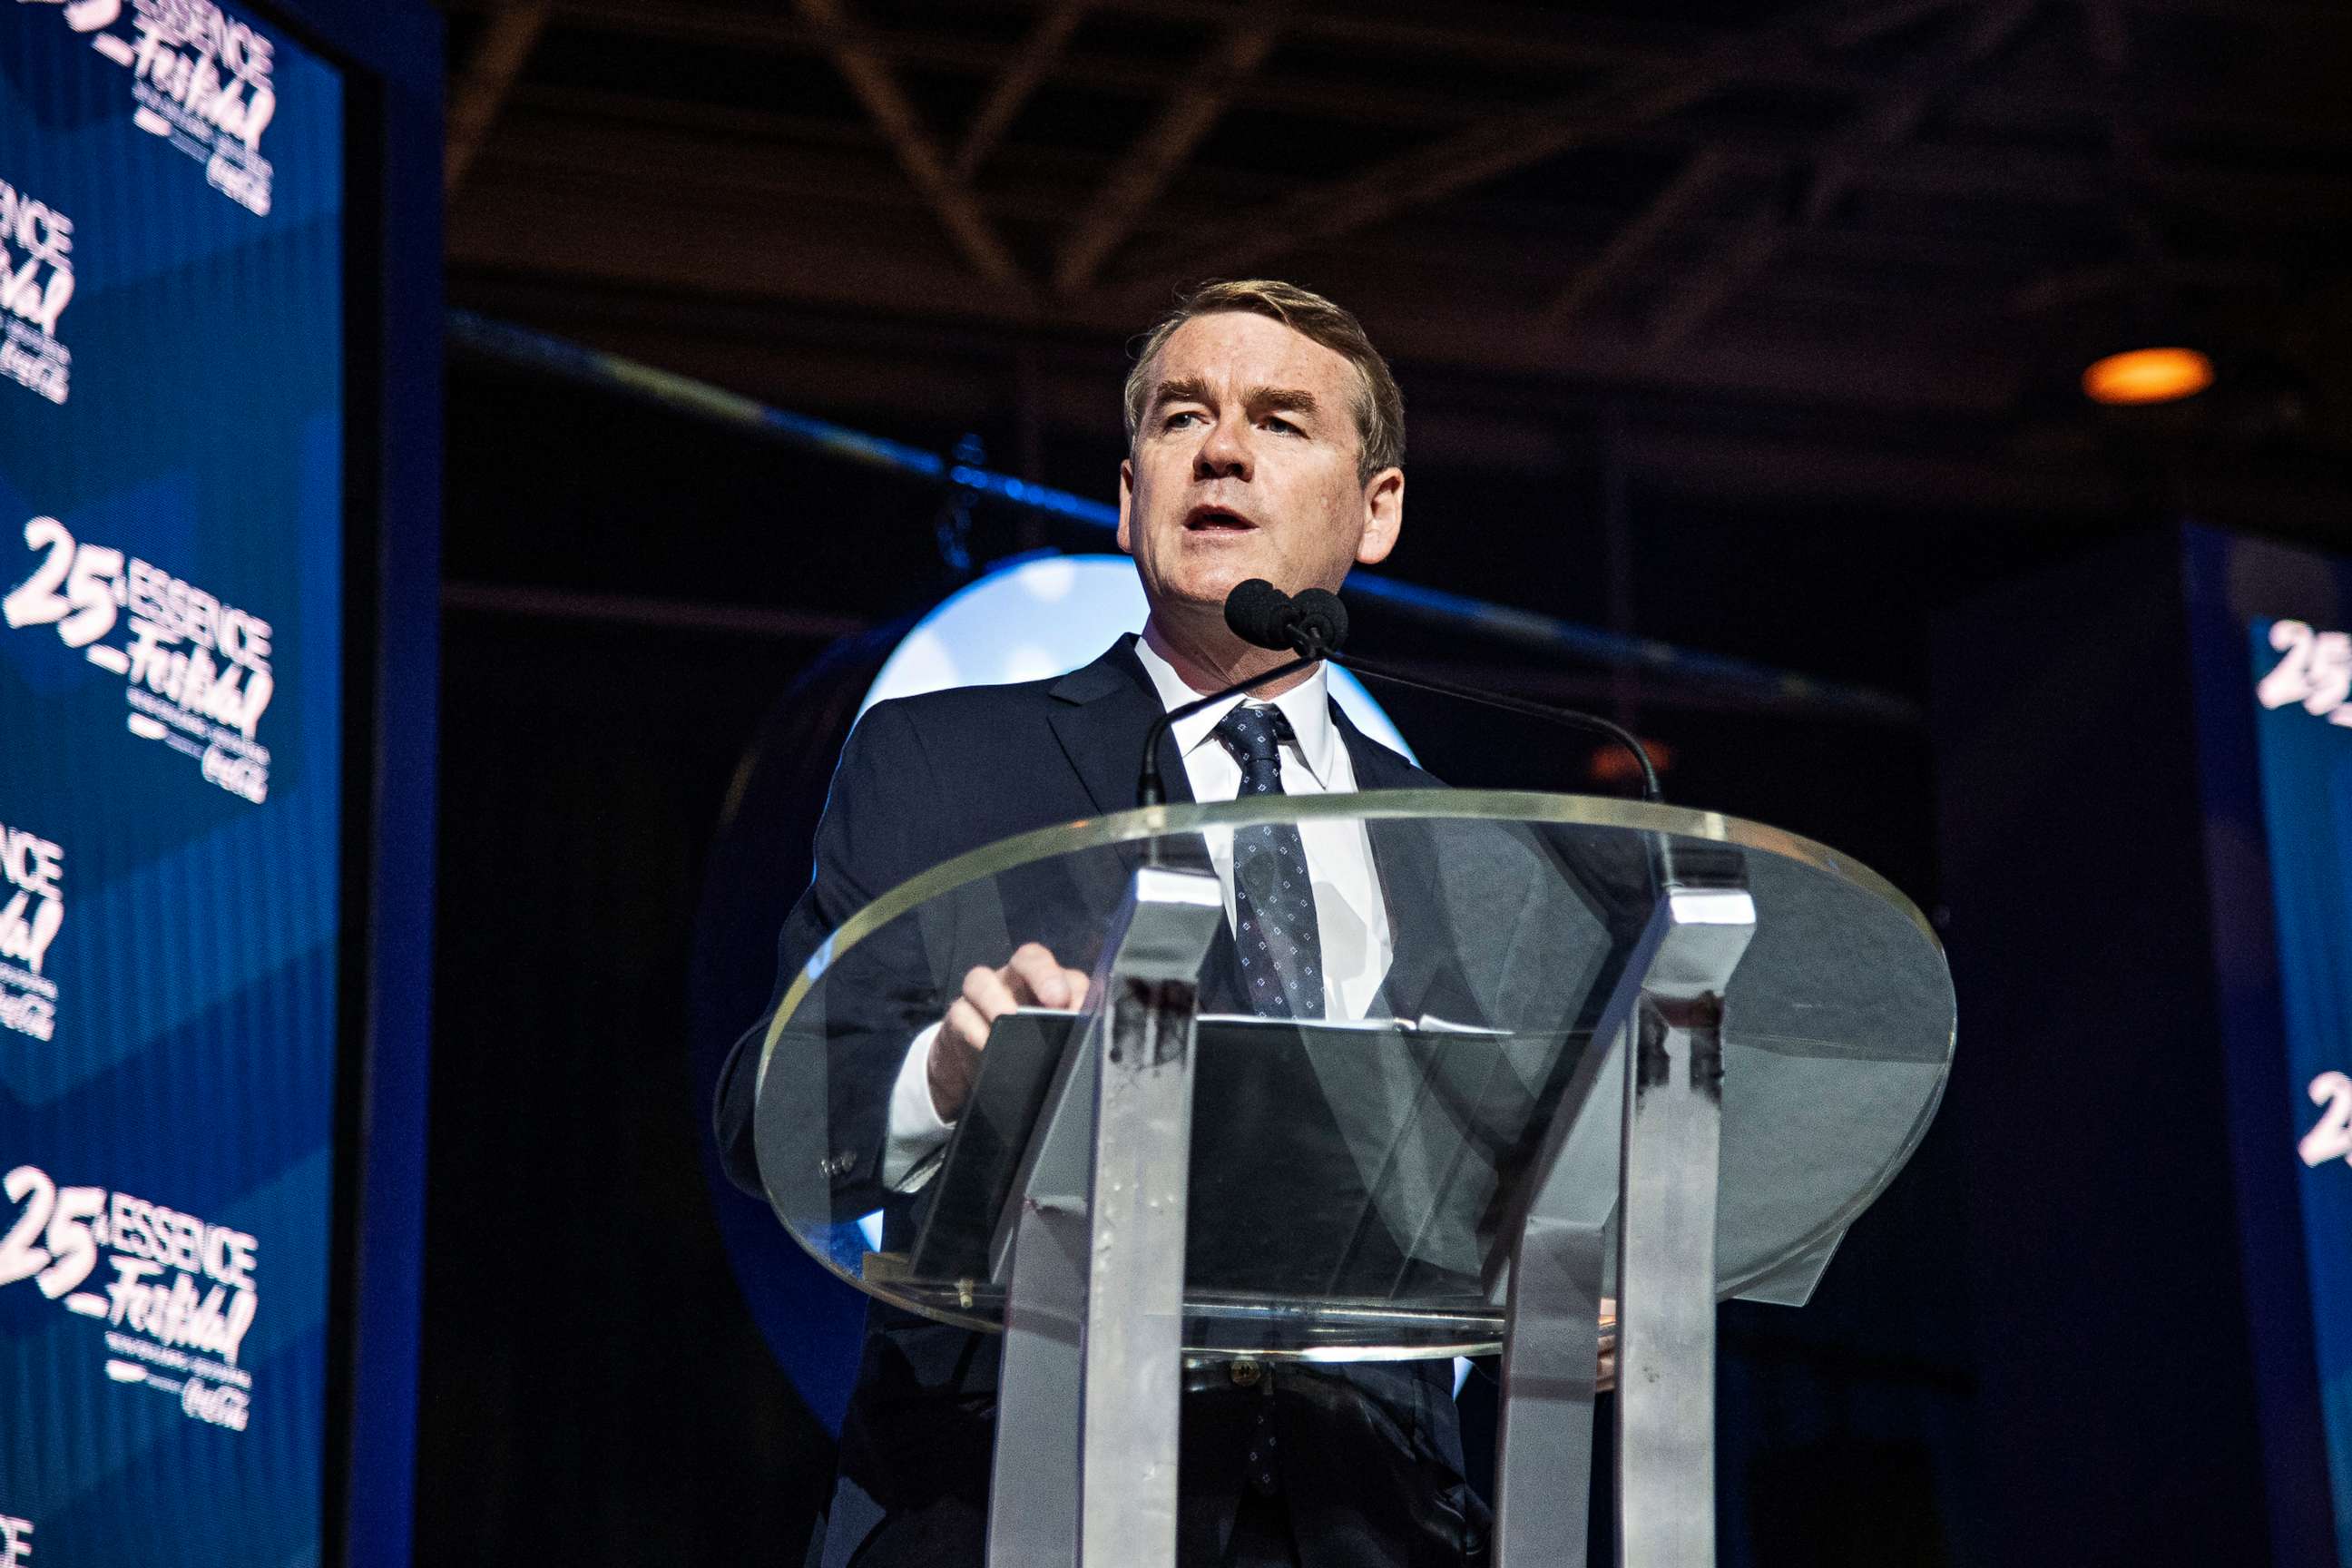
(171, 732)
(2303, 722)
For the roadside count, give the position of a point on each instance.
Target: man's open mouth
(1217, 519)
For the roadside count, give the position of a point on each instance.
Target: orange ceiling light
(2147, 375)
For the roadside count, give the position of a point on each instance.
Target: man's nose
(1224, 453)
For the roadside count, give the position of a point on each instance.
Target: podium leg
(1666, 1272)
(1134, 1342)
(1551, 1353)
(1033, 1493)
(1552, 1318)
(1088, 1403)
(1637, 1133)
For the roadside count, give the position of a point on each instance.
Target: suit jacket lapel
(1100, 716)
(1377, 767)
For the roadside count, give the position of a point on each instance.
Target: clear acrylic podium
(1584, 1049)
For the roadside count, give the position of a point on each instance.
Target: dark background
(1749, 328)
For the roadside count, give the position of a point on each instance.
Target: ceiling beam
(1497, 35)
(919, 156)
(1682, 195)
(720, 190)
(1147, 167)
(715, 179)
(2039, 98)
(960, 373)
(1824, 458)
(541, 241)
(1698, 293)
(1487, 151)
(480, 90)
(1894, 116)
(1890, 119)
(2074, 288)
(2271, 197)
(1009, 92)
(726, 137)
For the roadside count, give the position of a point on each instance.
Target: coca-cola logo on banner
(36, 284)
(32, 912)
(199, 79)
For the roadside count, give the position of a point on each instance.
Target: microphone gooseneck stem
(1148, 789)
(1659, 850)
(1591, 722)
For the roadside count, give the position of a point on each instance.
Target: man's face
(1244, 465)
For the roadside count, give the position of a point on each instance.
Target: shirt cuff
(916, 1128)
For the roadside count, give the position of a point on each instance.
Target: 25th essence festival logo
(177, 1299)
(200, 79)
(32, 883)
(36, 284)
(196, 669)
(2313, 672)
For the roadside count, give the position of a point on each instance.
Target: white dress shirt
(1350, 916)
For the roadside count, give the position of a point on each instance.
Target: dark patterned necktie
(1273, 901)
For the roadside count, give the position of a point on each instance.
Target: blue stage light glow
(1040, 615)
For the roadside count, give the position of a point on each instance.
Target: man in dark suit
(1264, 439)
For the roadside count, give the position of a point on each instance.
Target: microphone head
(1322, 621)
(1261, 614)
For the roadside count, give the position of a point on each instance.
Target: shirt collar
(1306, 705)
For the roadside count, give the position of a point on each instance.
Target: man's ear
(1126, 500)
(1384, 517)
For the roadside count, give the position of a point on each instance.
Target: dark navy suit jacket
(1373, 1473)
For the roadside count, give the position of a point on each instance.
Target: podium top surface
(1354, 1162)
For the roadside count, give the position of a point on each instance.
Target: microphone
(1310, 622)
(1261, 615)
(1322, 619)
(1314, 624)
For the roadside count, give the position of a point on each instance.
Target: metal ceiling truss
(1850, 199)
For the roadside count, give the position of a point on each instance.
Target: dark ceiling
(1850, 252)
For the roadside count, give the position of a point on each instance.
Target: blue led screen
(171, 730)
(2303, 727)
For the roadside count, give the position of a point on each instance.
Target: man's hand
(1034, 978)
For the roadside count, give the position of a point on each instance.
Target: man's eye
(1277, 422)
(1175, 420)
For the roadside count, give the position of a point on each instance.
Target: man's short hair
(1379, 405)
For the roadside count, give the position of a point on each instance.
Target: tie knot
(1254, 734)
